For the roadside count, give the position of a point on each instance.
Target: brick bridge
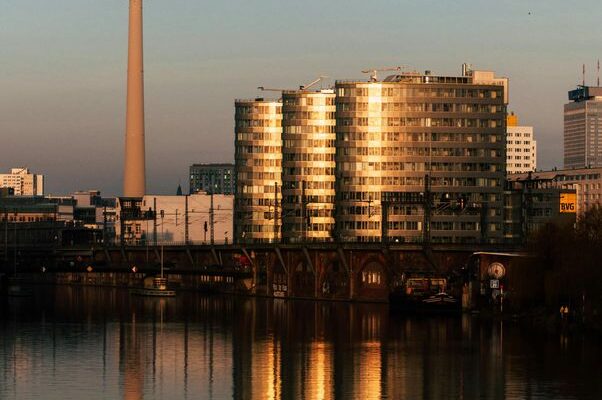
(317, 271)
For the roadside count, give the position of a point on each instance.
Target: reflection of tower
(134, 169)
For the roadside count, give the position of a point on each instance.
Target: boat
(424, 295)
(156, 286)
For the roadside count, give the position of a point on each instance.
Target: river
(101, 343)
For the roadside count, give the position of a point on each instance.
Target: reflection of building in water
(130, 361)
(320, 377)
(265, 369)
(367, 375)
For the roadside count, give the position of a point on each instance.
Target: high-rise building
(415, 136)
(212, 178)
(583, 128)
(258, 170)
(308, 165)
(521, 147)
(134, 176)
(23, 182)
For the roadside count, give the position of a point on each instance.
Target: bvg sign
(568, 203)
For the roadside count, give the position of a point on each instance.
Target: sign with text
(568, 203)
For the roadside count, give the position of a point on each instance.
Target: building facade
(308, 165)
(521, 147)
(587, 182)
(421, 157)
(212, 178)
(583, 128)
(197, 218)
(23, 182)
(258, 170)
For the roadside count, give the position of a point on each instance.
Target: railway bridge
(358, 271)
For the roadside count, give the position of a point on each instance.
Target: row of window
(387, 106)
(421, 122)
(421, 91)
(258, 123)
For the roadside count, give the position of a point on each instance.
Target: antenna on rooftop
(583, 76)
(598, 80)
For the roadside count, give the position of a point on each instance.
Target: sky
(63, 69)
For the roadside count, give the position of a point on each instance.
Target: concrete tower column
(134, 179)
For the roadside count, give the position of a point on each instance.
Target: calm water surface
(99, 343)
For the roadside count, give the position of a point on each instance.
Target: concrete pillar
(134, 179)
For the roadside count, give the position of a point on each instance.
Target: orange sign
(568, 203)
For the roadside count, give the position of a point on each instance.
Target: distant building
(23, 182)
(531, 204)
(521, 147)
(176, 219)
(587, 182)
(583, 128)
(212, 178)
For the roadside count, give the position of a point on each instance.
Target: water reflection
(95, 343)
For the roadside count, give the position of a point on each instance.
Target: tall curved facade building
(258, 170)
(413, 133)
(308, 165)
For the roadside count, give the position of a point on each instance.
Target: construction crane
(302, 87)
(265, 89)
(312, 83)
(373, 71)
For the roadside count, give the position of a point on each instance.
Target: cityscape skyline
(191, 86)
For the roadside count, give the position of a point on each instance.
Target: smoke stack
(134, 179)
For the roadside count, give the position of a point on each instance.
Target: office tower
(134, 184)
(416, 136)
(521, 147)
(257, 170)
(23, 182)
(308, 165)
(212, 178)
(583, 128)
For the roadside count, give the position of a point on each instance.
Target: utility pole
(211, 218)
(6, 237)
(155, 220)
(15, 249)
(104, 226)
(186, 219)
(303, 211)
(276, 233)
(384, 222)
(426, 229)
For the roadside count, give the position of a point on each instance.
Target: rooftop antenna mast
(583, 76)
(598, 80)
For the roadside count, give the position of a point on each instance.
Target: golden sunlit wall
(308, 165)
(392, 134)
(258, 170)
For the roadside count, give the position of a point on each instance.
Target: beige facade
(258, 170)
(521, 147)
(410, 131)
(23, 182)
(308, 165)
(180, 219)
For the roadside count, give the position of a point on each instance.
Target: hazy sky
(63, 66)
